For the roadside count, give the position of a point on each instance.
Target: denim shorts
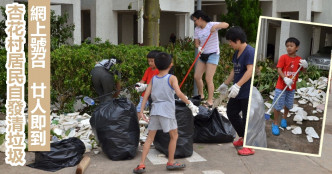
(286, 99)
(138, 108)
(213, 59)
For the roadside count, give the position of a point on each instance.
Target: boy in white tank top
(162, 89)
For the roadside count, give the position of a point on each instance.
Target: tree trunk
(151, 22)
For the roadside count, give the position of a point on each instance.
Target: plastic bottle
(89, 100)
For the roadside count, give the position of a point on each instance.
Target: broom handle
(283, 90)
(199, 53)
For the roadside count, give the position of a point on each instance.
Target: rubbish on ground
(116, 127)
(65, 153)
(313, 118)
(311, 132)
(309, 138)
(297, 130)
(297, 118)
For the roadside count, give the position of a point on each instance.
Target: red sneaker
(246, 151)
(238, 143)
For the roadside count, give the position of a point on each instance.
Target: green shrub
(3, 74)
(71, 66)
(266, 76)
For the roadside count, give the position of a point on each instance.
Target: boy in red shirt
(287, 66)
(149, 73)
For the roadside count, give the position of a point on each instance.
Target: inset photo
(290, 85)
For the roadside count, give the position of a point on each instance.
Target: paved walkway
(208, 159)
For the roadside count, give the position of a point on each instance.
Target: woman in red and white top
(210, 55)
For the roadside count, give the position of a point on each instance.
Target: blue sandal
(283, 123)
(275, 130)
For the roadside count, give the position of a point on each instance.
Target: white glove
(223, 88)
(194, 109)
(140, 87)
(303, 63)
(234, 91)
(288, 82)
(200, 49)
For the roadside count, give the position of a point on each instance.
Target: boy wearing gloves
(162, 116)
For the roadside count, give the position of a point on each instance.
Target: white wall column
(190, 26)
(305, 13)
(316, 39)
(274, 8)
(284, 35)
(261, 50)
(180, 26)
(106, 21)
(74, 17)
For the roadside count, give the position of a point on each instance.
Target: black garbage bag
(65, 153)
(212, 127)
(185, 121)
(116, 128)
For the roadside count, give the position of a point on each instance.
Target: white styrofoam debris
(85, 122)
(303, 101)
(73, 114)
(295, 109)
(288, 128)
(309, 138)
(72, 133)
(297, 130)
(313, 118)
(297, 118)
(57, 131)
(289, 114)
(268, 105)
(311, 132)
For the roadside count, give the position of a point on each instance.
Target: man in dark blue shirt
(243, 60)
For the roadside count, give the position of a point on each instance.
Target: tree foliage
(243, 13)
